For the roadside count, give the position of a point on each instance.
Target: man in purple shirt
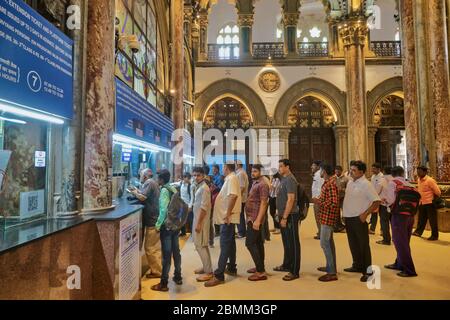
(256, 208)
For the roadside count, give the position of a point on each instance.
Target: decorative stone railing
(313, 49)
(386, 48)
(266, 50)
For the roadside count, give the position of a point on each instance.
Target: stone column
(354, 34)
(439, 87)
(99, 107)
(341, 133)
(422, 76)
(413, 139)
(68, 203)
(187, 23)
(290, 22)
(177, 73)
(245, 23)
(372, 131)
(195, 40)
(203, 22)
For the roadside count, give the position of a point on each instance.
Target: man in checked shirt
(329, 212)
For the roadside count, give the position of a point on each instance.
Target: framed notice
(129, 258)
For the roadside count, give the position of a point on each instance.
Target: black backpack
(302, 202)
(407, 200)
(177, 212)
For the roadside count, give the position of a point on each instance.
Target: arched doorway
(390, 142)
(311, 137)
(228, 113)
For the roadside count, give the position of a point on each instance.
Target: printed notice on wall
(129, 258)
(36, 61)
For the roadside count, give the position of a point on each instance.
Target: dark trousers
(227, 250)
(428, 212)
(242, 226)
(170, 247)
(385, 217)
(402, 226)
(358, 241)
(188, 226)
(211, 230)
(265, 228)
(291, 244)
(373, 221)
(273, 212)
(255, 245)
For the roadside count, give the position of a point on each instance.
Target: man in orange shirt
(428, 189)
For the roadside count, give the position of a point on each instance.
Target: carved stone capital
(354, 32)
(290, 19)
(245, 20)
(372, 131)
(203, 19)
(188, 13)
(341, 132)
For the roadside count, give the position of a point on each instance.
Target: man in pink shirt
(428, 190)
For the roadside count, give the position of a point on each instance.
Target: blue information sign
(36, 63)
(138, 119)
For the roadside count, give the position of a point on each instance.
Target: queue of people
(343, 202)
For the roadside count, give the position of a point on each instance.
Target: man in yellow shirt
(428, 189)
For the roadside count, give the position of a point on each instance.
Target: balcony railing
(386, 48)
(313, 49)
(218, 52)
(264, 50)
(275, 50)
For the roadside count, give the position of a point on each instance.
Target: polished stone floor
(432, 262)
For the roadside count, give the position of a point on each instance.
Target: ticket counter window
(23, 169)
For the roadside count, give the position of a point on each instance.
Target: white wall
(289, 76)
(221, 13)
(267, 16)
(388, 24)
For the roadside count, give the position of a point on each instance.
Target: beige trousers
(152, 247)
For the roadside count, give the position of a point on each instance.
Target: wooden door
(311, 138)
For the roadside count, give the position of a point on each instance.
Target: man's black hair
(360, 165)
(328, 168)
(200, 170)
(231, 166)
(285, 162)
(164, 176)
(257, 167)
(338, 167)
(398, 171)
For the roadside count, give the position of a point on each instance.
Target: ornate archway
(311, 137)
(231, 88)
(387, 123)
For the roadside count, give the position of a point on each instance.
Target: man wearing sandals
(201, 202)
(289, 222)
(256, 210)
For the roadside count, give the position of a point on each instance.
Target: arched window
(374, 22)
(228, 41)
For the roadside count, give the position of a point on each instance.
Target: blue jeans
(170, 246)
(327, 244)
(227, 250)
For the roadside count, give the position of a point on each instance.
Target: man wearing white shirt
(360, 201)
(227, 209)
(377, 181)
(316, 189)
(244, 183)
(385, 211)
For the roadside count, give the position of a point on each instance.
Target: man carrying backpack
(169, 229)
(404, 201)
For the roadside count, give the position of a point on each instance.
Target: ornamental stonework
(354, 32)
(245, 20)
(290, 19)
(269, 81)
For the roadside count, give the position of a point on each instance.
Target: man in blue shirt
(217, 178)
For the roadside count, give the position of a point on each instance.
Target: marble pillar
(99, 106)
(439, 87)
(354, 34)
(203, 23)
(372, 131)
(68, 203)
(290, 22)
(413, 141)
(427, 156)
(341, 135)
(177, 73)
(245, 23)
